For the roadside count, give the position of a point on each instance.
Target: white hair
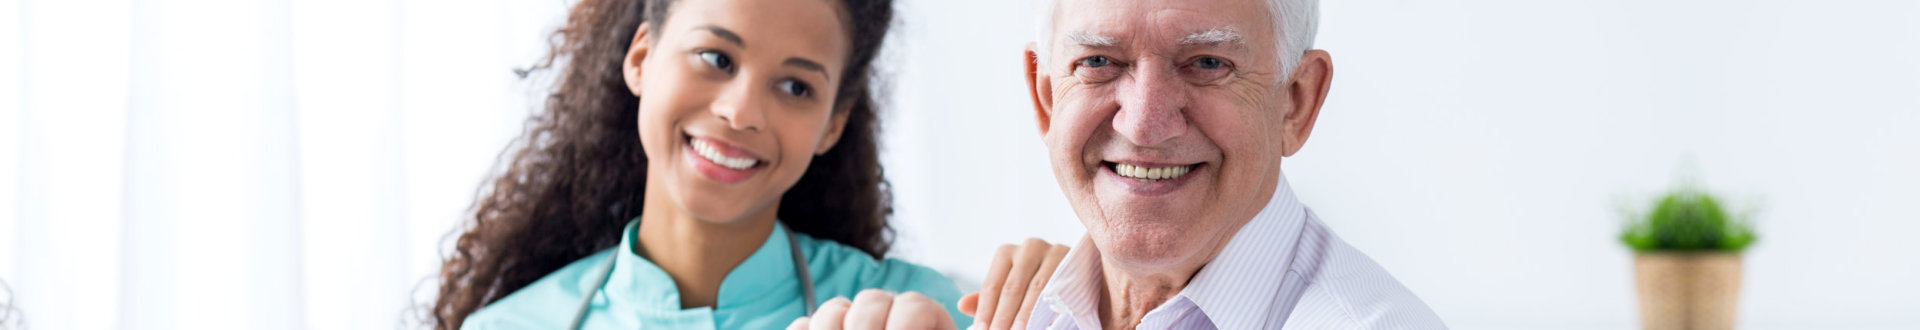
(1296, 21)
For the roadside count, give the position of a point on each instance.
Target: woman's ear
(636, 55)
(835, 126)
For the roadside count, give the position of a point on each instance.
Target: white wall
(1482, 150)
(237, 164)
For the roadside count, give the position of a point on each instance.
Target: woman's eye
(1209, 63)
(795, 88)
(1094, 62)
(717, 60)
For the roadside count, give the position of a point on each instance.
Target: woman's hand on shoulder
(1013, 284)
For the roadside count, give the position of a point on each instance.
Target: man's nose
(740, 107)
(1152, 105)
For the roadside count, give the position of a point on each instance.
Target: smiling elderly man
(1166, 122)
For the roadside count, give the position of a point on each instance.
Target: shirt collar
(1235, 290)
(641, 284)
(1074, 289)
(1251, 262)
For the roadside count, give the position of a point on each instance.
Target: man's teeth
(1155, 173)
(706, 151)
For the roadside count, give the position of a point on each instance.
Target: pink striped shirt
(1282, 270)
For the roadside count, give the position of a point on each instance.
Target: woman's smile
(721, 161)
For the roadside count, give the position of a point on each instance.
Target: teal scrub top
(763, 292)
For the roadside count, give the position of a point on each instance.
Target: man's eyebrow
(723, 33)
(808, 65)
(1090, 39)
(1215, 36)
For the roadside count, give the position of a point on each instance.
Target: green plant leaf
(1687, 220)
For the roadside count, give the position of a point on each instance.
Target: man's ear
(1306, 91)
(637, 53)
(835, 126)
(1040, 88)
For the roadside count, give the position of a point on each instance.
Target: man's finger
(996, 277)
(869, 310)
(915, 311)
(1026, 260)
(798, 324)
(830, 314)
(1039, 283)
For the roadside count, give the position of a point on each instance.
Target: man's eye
(1209, 63)
(1206, 69)
(795, 88)
(1094, 62)
(717, 60)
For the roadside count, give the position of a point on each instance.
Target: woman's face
(736, 97)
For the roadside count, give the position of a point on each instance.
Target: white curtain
(247, 164)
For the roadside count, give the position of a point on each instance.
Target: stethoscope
(606, 271)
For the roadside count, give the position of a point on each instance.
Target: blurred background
(299, 164)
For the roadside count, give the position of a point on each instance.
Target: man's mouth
(1150, 174)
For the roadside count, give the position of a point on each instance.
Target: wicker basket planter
(1687, 290)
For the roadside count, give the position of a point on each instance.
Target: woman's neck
(697, 253)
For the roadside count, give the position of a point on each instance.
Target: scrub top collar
(640, 286)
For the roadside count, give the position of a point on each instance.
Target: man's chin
(1152, 243)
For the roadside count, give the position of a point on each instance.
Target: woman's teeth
(706, 151)
(1155, 173)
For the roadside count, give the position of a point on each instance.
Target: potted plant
(1687, 261)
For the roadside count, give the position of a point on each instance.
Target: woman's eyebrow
(723, 33)
(808, 65)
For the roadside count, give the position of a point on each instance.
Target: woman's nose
(740, 107)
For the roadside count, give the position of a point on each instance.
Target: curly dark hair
(576, 176)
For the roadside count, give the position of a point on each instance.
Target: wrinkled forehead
(1161, 22)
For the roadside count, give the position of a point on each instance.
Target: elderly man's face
(1165, 121)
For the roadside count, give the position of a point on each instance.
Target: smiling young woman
(690, 147)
